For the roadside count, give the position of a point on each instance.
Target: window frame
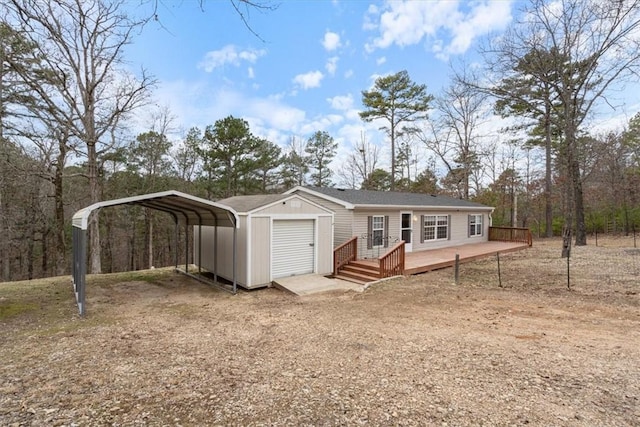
(476, 228)
(374, 230)
(431, 229)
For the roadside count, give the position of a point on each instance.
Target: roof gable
(256, 203)
(244, 204)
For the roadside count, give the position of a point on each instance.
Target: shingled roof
(389, 198)
(245, 204)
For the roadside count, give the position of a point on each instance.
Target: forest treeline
(67, 103)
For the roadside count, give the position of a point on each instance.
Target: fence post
(568, 270)
(457, 270)
(499, 273)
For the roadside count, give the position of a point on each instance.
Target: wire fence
(612, 267)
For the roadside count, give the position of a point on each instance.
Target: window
(436, 227)
(377, 229)
(475, 225)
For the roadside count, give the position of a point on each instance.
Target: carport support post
(235, 261)
(200, 247)
(177, 228)
(186, 247)
(79, 266)
(215, 252)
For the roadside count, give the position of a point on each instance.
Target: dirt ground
(160, 349)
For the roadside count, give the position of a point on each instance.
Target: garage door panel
(292, 247)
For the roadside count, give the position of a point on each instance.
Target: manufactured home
(380, 219)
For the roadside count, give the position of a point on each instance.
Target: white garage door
(292, 247)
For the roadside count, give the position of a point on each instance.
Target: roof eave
(81, 218)
(423, 207)
(341, 202)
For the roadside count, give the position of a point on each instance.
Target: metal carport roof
(184, 208)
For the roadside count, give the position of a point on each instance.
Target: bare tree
(454, 137)
(295, 165)
(82, 42)
(360, 163)
(590, 46)
(185, 156)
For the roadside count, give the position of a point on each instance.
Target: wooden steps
(359, 272)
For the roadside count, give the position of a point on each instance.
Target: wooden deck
(433, 259)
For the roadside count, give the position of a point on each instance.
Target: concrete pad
(314, 283)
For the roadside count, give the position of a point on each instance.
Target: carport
(185, 209)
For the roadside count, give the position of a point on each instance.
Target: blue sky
(315, 58)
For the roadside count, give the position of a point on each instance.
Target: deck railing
(392, 263)
(510, 234)
(344, 253)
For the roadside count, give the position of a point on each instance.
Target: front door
(406, 229)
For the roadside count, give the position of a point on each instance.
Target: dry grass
(161, 349)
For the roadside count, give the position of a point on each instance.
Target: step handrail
(344, 253)
(392, 263)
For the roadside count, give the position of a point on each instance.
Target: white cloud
(331, 41)
(342, 103)
(321, 123)
(229, 55)
(482, 19)
(443, 25)
(251, 73)
(332, 65)
(381, 60)
(309, 80)
(198, 104)
(345, 104)
(348, 74)
(274, 113)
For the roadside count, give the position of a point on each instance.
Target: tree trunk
(5, 242)
(94, 195)
(31, 238)
(566, 238)
(578, 204)
(575, 180)
(60, 250)
(548, 207)
(392, 186)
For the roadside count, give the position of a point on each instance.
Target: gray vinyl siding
(324, 254)
(360, 226)
(260, 251)
(225, 251)
(458, 229)
(343, 220)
